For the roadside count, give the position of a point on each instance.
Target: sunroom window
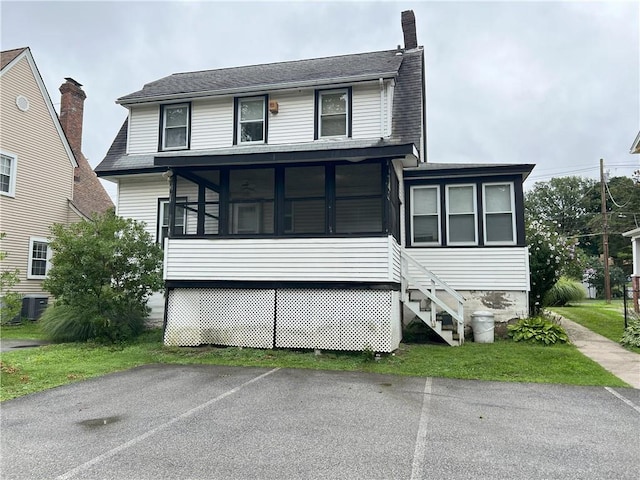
(498, 206)
(358, 198)
(425, 213)
(251, 200)
(251, 120)
(175, 126)
(461, 215)
(304, 196)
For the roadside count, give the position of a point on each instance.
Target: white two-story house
(296, 209)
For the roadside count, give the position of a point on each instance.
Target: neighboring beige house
(44, 178)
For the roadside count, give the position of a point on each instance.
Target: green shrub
(537, 330)
(631, 335)
(10, 301)
(70, 323)
(564, 291)
(103, 273)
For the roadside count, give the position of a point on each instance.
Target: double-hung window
(498, 206)
(175, 126)
(461, 215)
(425, 213)
(251, 117)
(163, 219)
(38, 258)
(333, 113)
(8, 174)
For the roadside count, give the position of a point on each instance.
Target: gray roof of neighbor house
(406, 66)
(7, 56)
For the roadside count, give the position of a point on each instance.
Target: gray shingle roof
(408, 102)
(264, 77)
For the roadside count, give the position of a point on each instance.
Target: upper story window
(333, 113)
(499, 207)
(252, 121)
(8, 164)
(39, 256)
(175, 126)
(461, 215)
(425, 215)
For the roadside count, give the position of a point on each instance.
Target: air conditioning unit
(33, 305)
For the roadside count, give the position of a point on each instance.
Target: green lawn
(607, 319)
(24, 331)
(31, 370)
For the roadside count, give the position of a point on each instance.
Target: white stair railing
(428, 283)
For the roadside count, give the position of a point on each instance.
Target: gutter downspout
(382, 123)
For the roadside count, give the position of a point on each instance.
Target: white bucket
(482, 324)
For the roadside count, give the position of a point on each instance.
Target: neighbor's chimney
(409, 30)
(71, 113)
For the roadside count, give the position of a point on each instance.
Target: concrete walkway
(614, 358)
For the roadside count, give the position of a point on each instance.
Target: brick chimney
(409, 30)
(71, 113)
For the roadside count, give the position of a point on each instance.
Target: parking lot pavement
(207, 422)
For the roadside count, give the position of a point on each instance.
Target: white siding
(138, 199)
(366, 112)
(144, 127)
(477, 268)
(316, 259)
(294, 121)
(212, 124)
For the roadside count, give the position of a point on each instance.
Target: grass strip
(599, 317)
(32, 370)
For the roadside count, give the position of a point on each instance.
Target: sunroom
(299, 254)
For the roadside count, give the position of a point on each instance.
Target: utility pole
(605, 234)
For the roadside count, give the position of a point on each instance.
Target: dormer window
(251, 120)
(333, 109)
(175, 126)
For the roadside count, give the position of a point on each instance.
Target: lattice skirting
(289, 318)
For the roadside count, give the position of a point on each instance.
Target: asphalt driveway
(206, 422)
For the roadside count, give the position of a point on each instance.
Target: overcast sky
(556, 84)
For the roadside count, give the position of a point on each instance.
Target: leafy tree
(594, 276)
(549, 253)
(103, 272)
(564, 203)
(10, 302)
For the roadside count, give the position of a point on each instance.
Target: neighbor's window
(333, 113)
(38, 258)
(461, 215)
(251, 120)
(498, 206)
(8, 174)
(175, 126)
(425, 215)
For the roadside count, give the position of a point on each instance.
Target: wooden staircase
(424, 294)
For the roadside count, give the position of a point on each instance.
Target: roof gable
(281, 75)
(9, 56)
(635, 148)
(12, 57)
